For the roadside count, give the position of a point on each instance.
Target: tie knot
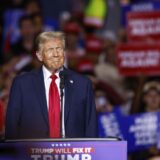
(53, 77)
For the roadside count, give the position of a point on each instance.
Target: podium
(64, 149)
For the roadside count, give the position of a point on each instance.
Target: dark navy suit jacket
(27, 114)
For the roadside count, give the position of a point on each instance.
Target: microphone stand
(62, 105)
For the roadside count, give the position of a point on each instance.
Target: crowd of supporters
(90, 50)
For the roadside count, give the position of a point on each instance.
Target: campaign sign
(64, 150)
(112, 124)
(142, 131)
(135, 59)
(143, 26)
(145, 6)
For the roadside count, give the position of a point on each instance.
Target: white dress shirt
(48, 80)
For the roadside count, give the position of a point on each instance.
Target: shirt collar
(47, 73)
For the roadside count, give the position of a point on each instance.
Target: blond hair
(46, 36)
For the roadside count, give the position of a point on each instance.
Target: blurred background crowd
(93, 31)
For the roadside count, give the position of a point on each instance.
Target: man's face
(52, 54)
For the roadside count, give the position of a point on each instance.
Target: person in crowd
(34, 103)
(38, 23)
(102, 103)
(106, 69)
(25, 44)
(147, 97)
(151, 97)
(74, 50)
(32, 7)
(105, 96)
(149, 102)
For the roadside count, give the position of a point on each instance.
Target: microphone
(62, 83)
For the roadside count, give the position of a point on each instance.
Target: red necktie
(54, 109)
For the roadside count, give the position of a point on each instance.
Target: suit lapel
(68, 94)
(40, 92)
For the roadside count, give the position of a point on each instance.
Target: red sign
(134, 59)
(143, 26)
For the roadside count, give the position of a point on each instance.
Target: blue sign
(142, 131)
(136, 7)
(139, 130)
(109, 125)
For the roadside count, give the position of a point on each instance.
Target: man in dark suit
(28, 112)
